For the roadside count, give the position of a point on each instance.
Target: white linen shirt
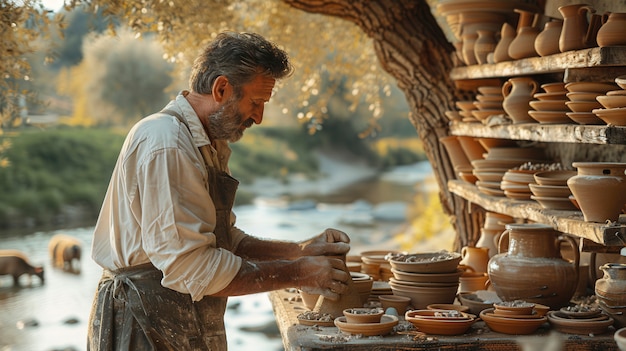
(158, 209)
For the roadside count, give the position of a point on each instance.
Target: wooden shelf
(563, 133)
(562, 62)
(570, 222)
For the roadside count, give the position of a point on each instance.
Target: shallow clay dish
(614, 116)
(555, 203)
(384, 327)
(621, 81)
(562, 323)
(583, 106)
(440, 326)
(515, 326)
(584, 118)
(612, 101)
(559, 177)
(580, 314)
(589, 87)
(550, 117)
(448, 307)
(550, 190)
(559, 95)
(582, 96)
(513, 307)
(475, 303)
(549, 105)
(553, 87)
(314, 318)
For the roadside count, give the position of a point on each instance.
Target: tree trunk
(412, 48)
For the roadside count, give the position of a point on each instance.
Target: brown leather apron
(133, 311)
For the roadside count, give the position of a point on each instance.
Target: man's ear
(221, 89)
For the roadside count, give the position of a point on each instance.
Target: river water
(53, 316)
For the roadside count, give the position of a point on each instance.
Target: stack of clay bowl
(573, 320)
(366, 322)
(549, 106)
(440, 322)
(498, 161)
(550, 189)
(488, 103)
(582, 100)
(515, 183)
(426, 278)
(613, 109)
(515, 317)
(466, 108)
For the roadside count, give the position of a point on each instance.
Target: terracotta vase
(517, 94)
(484, 45)
(501, 52)
(532, 268)
(612, 32)
(576, 27)
(475, 257)
(599, 189)
(547, 41)
(469, 40)
(610, 291)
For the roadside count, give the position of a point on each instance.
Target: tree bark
(415, 51)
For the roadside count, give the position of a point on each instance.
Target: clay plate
(440, 326)
(584, 118)
(387, 322)
(564, 324)
(589, 87)
(614, 116)
(553, 177)
(555, 203)
(550, 190)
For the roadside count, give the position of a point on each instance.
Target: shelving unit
(594, 64)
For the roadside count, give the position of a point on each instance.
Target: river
(53, 316)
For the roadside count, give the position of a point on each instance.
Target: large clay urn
(576, 30)
(610, 291)
(517, 94)
(532, 268)
(600, 189)
(547, 41)
(612, 32)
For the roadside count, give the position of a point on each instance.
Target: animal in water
(16, 263)
(65, 252)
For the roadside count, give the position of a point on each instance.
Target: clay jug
(488, 240)
(576, 27)
(547, 41)
(469, 40)
(610, 291)
(484, 45)
(599, 189)
(612, 32)
(475, 257)
(501, 52)
(523, 45)
(517, 93)
(532, 268)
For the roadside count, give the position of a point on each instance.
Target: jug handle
(572, 242)
(534, 87)
(501, 241)
(506, 88)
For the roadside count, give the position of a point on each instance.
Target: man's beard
(225, 123)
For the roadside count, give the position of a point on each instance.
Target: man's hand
(331, 242)
(321, 275)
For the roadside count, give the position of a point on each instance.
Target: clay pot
(610, 291)
(472, 281)
(532, 268)
(518, 92)
(475, 257)
(400, 303)
(485, 44)
(599, 189)
(576, 29)
(363, 315)
(523, 45)
(612, 31)
(547, 41)
(469, 40)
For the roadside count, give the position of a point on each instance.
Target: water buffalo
(15, 263)
(64, 251)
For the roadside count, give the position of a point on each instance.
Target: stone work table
(287, 306)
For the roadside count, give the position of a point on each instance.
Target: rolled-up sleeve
(178, 220)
